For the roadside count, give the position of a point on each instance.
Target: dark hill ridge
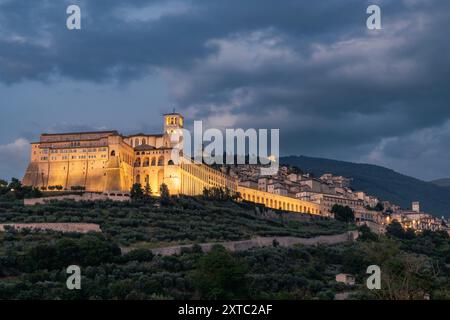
(382, 182)
(442, 182)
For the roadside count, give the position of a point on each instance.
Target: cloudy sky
(311, 68)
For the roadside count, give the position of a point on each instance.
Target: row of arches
(279, 204)
(175, 120)
(146, 179)
(211, 177)
(137, 142)
(147, 162)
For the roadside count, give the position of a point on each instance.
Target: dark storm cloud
(110, 41)
(310, 68)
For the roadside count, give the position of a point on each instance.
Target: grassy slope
(188, 220)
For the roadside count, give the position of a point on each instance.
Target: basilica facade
(108, 161)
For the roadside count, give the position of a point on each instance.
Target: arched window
(160, 161)
(137, 163)
(170, 163)
(136, 142)
(113, 153)
(146, 162)
(144, 141)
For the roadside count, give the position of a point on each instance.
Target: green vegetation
(165, 195)
(186, 220)
(15, 190)
(33, 266)
(33, 263)
(219, 275)
(137, 193)
(413, 266)
(342, 213)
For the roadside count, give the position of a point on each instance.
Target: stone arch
(170, 163)
(136, 142)
(144, 141)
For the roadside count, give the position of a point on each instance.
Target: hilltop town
(329, 190)
(108, 164)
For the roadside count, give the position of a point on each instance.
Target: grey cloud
(312, 69)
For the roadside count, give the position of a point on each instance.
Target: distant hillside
(442, 182)
(382, 182)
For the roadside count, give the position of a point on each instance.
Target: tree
(34, 193)
(405, 277)
(165, 194)
(379, 207)
(3, 183)
(206, 193)
(342, 213)
(148, 189)
(220, 276)
(136, 192)
(3, 187)
(395, 229)
(16, 190)
(140, 255)
(219, 194)
(15, 184)
(366, 234)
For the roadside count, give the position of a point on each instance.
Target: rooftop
(112, 132)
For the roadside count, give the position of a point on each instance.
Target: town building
(346, 278)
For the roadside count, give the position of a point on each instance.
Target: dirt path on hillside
(259, 242)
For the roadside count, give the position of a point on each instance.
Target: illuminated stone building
(110, 162)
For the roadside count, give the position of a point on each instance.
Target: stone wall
(62, 227)
(263, 242)
(88, 196)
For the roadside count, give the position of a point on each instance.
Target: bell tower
(173, 125)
